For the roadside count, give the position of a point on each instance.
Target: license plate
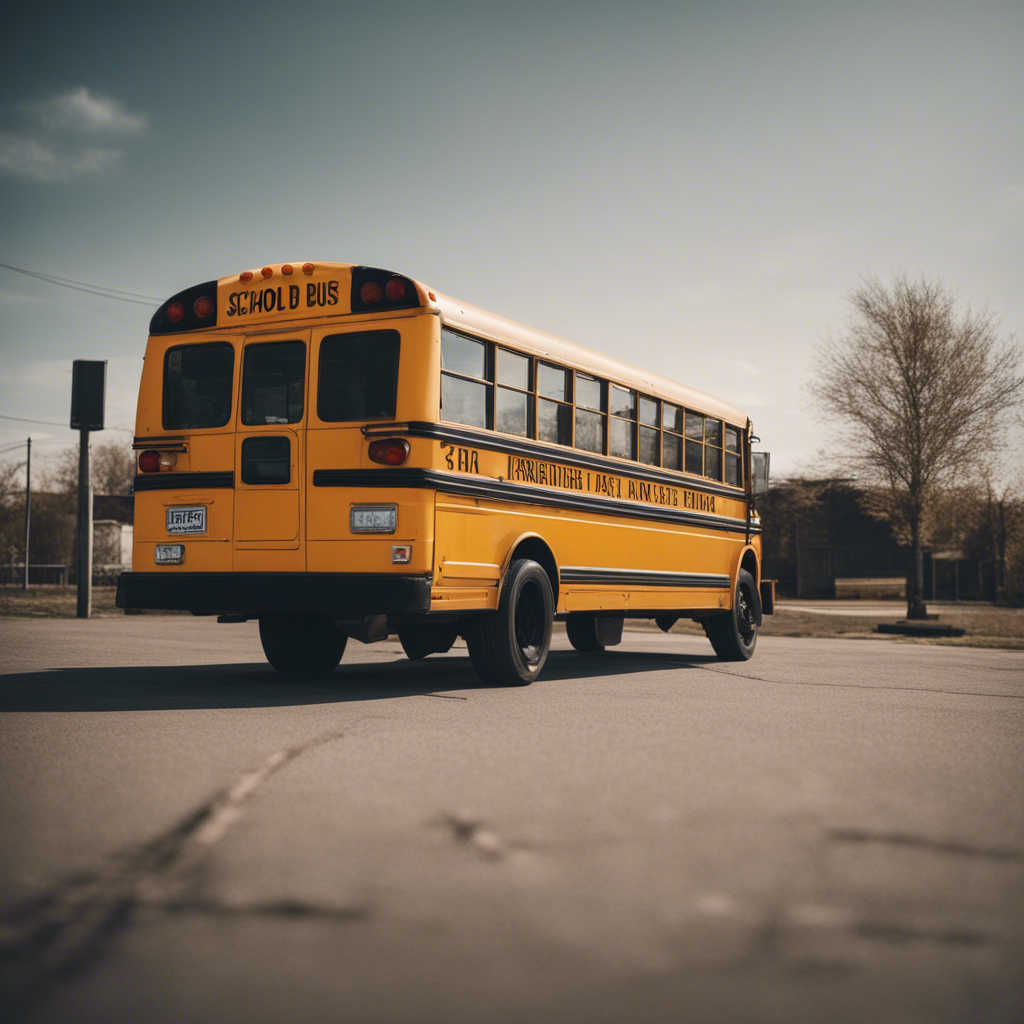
(187, 520)
(169, 554)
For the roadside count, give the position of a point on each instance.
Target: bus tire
(582, 631)
(509, 647)
(733, 634)
(301, 644)
(427, 638)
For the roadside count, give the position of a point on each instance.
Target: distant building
(829, 538)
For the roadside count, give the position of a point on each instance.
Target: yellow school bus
(341, 451)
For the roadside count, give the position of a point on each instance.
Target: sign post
(28, 505)
(88, 386)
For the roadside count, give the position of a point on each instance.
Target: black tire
(509, 647)
(427, 638)
(582, 631)
(733, 634)
(301, 644)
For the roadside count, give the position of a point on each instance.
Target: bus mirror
(759, 462)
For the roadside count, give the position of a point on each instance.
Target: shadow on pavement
(256, 685)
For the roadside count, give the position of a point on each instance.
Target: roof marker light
(245, 275)
(287, 268)
(308, 268)
(267, 272)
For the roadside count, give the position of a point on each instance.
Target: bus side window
(466, 380)
(554, 413)
(591, 417)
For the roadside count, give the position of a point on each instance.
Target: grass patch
(54, 602)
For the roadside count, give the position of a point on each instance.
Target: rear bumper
(338, 593)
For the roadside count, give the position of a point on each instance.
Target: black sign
(88, 384)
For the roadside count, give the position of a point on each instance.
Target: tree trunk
(916, 608)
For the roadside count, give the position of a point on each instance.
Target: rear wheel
(733, 634)
(427, 638)
(510, 646)
(301, 644)
(582, 631)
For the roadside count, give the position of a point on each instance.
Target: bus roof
(457, 314)
(547, 346)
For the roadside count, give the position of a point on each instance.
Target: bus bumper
(343, 594)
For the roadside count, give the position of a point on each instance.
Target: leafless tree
(112, 469)
(921, 391)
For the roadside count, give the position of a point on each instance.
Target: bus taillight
(203, 307)
(149, 462)
(376, 290)
(389, 451)
(370, 293)
(175, 312)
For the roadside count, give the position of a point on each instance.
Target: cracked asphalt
(832, 831)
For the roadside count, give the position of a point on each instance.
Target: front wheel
(301, 644)
(733, 634)
(510, 646)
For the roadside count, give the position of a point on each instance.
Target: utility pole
(28, 505)
(88, 385)
(83, 564)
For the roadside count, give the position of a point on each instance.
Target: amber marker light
(287, 269)
(308, 268)
(267, 272)
(245, 275)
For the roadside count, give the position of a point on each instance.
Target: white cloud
(25, 157)
(79, 110)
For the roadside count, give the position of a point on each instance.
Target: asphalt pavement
(831, 831)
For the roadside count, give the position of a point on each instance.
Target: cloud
(26, 157)
(63, 139)
(78, 110)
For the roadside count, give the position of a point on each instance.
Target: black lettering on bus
(332, 293)
(293, 296)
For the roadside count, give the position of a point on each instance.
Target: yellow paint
(463, 541)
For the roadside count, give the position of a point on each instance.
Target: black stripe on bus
(641, 577)
(174, 481)
(499, 490)
(573, 457)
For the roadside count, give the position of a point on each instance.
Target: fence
(40, 575)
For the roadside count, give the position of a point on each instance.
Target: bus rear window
(358, 376)
(197, 386)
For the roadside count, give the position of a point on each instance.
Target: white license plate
(187, 520)
(169, 554)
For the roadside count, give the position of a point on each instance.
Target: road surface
(832, 831)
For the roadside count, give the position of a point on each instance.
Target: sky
(694, 188)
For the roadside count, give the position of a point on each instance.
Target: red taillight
(149, 462)
(389, 451)
(370, 292)
(203, 307)
(175, 312)
(245, 275)
(394, 290)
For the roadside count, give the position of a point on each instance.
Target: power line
(54, 423)
(116, 294)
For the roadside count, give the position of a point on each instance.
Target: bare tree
(112, 469)
(921, 391)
